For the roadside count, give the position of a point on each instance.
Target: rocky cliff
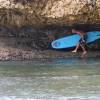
(33, 24)
(40, 13)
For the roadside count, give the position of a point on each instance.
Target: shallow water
(50, 79)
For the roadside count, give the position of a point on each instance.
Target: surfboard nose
(55, 44)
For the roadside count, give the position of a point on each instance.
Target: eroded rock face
(24, 37)
(40, 13)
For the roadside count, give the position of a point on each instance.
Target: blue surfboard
(72, 40)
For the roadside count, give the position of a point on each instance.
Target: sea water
(50, 79)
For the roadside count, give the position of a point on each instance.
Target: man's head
(74, 30)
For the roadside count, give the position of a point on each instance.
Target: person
(82, 41)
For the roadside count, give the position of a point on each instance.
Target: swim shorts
(82, 41)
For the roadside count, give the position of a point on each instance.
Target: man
(82, 41)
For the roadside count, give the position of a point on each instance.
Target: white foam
(50, 98)
(65, 77)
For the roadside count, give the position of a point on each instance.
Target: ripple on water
(50, 79)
